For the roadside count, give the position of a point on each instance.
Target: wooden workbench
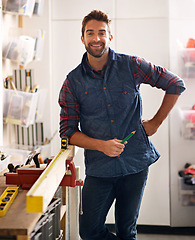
(20, 223)
(17, 222)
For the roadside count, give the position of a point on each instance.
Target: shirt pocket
(123, 97)
(91, 101)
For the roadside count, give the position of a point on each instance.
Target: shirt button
(104, 88)
(108, 105)
(125, 92)
(112, 121)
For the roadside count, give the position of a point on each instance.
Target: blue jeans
(99, 194)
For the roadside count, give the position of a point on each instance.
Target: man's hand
(150, 127)
(113, 147)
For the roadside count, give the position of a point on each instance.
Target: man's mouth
(96, 45)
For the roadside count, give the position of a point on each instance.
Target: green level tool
(7, 198)
(129, 136)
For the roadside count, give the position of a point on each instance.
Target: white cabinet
(126, 9)
(75, 10)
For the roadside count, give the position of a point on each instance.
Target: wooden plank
(43, 190)
(20, 21)
(22, 237)
(63, 195)
(63, 226)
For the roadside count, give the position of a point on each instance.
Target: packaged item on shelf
(22, 7)
(188, 123)
(38, 8)
(27, 49)
(188, 174)
(187, 185)
(39, 45)
(19, 107)
(190, 47)
(187, 59)
(24, 45)
(20, 49)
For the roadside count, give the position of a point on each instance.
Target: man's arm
(69, 117)
(152, 125)
(112, 147)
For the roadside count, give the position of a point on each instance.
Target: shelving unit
(182, 140)
(19, 117)
(23, 109)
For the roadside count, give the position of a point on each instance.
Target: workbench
(17, 222)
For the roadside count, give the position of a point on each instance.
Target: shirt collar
(88, 68)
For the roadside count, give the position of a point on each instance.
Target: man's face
(96, 38)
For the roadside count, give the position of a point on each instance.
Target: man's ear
(111, 37)
(82, 39)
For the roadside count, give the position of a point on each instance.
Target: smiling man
(103, 95)
(97, 38)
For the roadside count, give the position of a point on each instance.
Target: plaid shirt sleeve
(156, 76)
(69, 114)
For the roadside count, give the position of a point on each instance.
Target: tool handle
(81, 203)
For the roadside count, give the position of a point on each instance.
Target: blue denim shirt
(111, 107)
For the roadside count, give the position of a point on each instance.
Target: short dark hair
(98, 16)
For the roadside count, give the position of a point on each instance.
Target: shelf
(187, 63)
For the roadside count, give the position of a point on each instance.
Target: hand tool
(7, 198)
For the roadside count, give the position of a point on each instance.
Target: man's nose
(96, 38)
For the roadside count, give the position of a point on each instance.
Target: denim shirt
(111, 107)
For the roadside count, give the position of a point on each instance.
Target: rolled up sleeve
(156, 76)
(69, 113)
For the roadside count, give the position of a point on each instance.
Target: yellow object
(34, 204)
(7, 198)
(64, 143)
(41, 193)
(35, 88)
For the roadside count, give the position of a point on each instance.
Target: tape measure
(7, 198)
(64, 143)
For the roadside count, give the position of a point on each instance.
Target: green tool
(129, 136)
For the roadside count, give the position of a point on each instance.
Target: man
(102, 94)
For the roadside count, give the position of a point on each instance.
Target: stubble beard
(98, 53)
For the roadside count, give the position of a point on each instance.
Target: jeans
(99, 194)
